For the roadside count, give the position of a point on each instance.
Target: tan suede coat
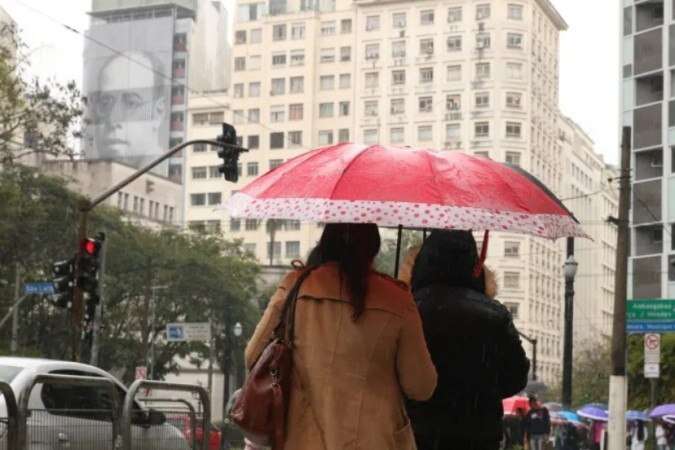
(350, 377)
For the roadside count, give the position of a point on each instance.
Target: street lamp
(570, 271)
(238, 329)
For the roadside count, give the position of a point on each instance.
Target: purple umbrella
(594, 411)
(663, 410)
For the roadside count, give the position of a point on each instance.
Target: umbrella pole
(398, 250)
(424, 235)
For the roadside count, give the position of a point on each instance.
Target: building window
(326, 110)
(398, 20)
(249, 248)
(346, 26)
(277, 140)
(328, 28)
(398, 77)
(235, 224)
(292, 249)
(513, 100)
(199, 173)
(483, 70)
(397, 106)
(398, 49)
(345, 54)
(238, 116)
(513, 309)
(297, 31)
(453, 132)
(426, 104)
(279, 32)
(513, 130)
(372, 52)
(274, 163)
(327, 82)
(252, 169)
(277, 113)
(427, 17)
(397, 135)
(371, 108)
(278, 86)
(254, 62)
(372, 80)
(254, 115)
(511, 249)
(454, 73)
(483, 41)
(295, 111)
(325, 137)
(254, 89)
(514, 71)
(177, 119)
(297, 58)
(370, 136)
(277, 7)
(512, 158)
(482, 100)
(256, 36)
(216, 198)
(214, 172)
(345, 80)
(238, 90)
(453, 102)
(253, 142)
(195, 200)
(372, 23)
(511, 280)
(427, 46)
(514, 41)
(482, 129)
(295, 138)
(327, 55)
(273, 253)
(179, 68)
(454, 43)
(200, 119)
(199, 148)
(454, 14)
(343, 135)
(515, 12)
(297, 85)
(427, 75)
(425, 133)
(483, 11)
(240, 37)
(279, 59)
(177, 95)
(344, 109)
(251, 224)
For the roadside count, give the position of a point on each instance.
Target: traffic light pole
(86, 206)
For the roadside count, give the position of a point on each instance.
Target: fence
(182, 415)
(8, 419)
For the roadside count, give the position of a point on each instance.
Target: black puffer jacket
(479, 359)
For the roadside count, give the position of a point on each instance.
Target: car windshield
(7, 373)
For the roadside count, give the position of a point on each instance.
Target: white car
(76, 417)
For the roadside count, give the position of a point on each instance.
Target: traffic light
(90, 249)
(229, 153)
(63, 279)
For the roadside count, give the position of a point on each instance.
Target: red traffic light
(90, 246)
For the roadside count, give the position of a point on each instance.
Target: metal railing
(111, 414)
(10, 433)
(192, 415)
(128, 408)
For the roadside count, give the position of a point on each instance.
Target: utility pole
(98, 315)
(14, 344)
(534, 342)
(617, 382)
(570, 271)
(211, 356)
(151, 334)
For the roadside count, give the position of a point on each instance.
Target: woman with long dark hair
(358, 352)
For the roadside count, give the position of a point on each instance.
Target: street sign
(40, 288)
(652, 315)
(652, 348)
(188, 331)
(652, 370)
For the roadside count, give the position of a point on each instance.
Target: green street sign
(650, 315)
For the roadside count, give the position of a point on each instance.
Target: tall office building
(473, 76)
(142, 58)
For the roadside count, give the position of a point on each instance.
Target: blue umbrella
(570, 416)
(637, 415)
(594, 411)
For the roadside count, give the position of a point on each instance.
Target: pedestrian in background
(473, 343)
(638, 435)
(358, 348)
(537, 424)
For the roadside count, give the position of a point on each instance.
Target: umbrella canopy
(663, 410)
(669, 418)
(570, 416)
(594, 411)
(416, 188)
(513, 404)
(632, 415)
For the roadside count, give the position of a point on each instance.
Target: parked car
(182, 422)
(79, 417)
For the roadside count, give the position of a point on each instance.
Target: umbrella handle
(398, 250)
(483, 255)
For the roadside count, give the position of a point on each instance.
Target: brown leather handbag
(260, 410)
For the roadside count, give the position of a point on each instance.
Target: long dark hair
(448, 257)
(353, 247)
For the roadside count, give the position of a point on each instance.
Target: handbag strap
(286, 327)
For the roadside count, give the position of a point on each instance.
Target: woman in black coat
(473, 343)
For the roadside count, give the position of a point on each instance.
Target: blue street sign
(40, 288)
(650, 327)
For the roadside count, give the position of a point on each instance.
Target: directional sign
(188, 331)
(652, 371)
(41, 288)
(650, 316)
(652, 348)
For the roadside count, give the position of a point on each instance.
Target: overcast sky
(588, 64)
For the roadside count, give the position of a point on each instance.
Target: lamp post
(570, 271)
(237, 330)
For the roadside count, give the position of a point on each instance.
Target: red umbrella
(416, 188)
(513, 404)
